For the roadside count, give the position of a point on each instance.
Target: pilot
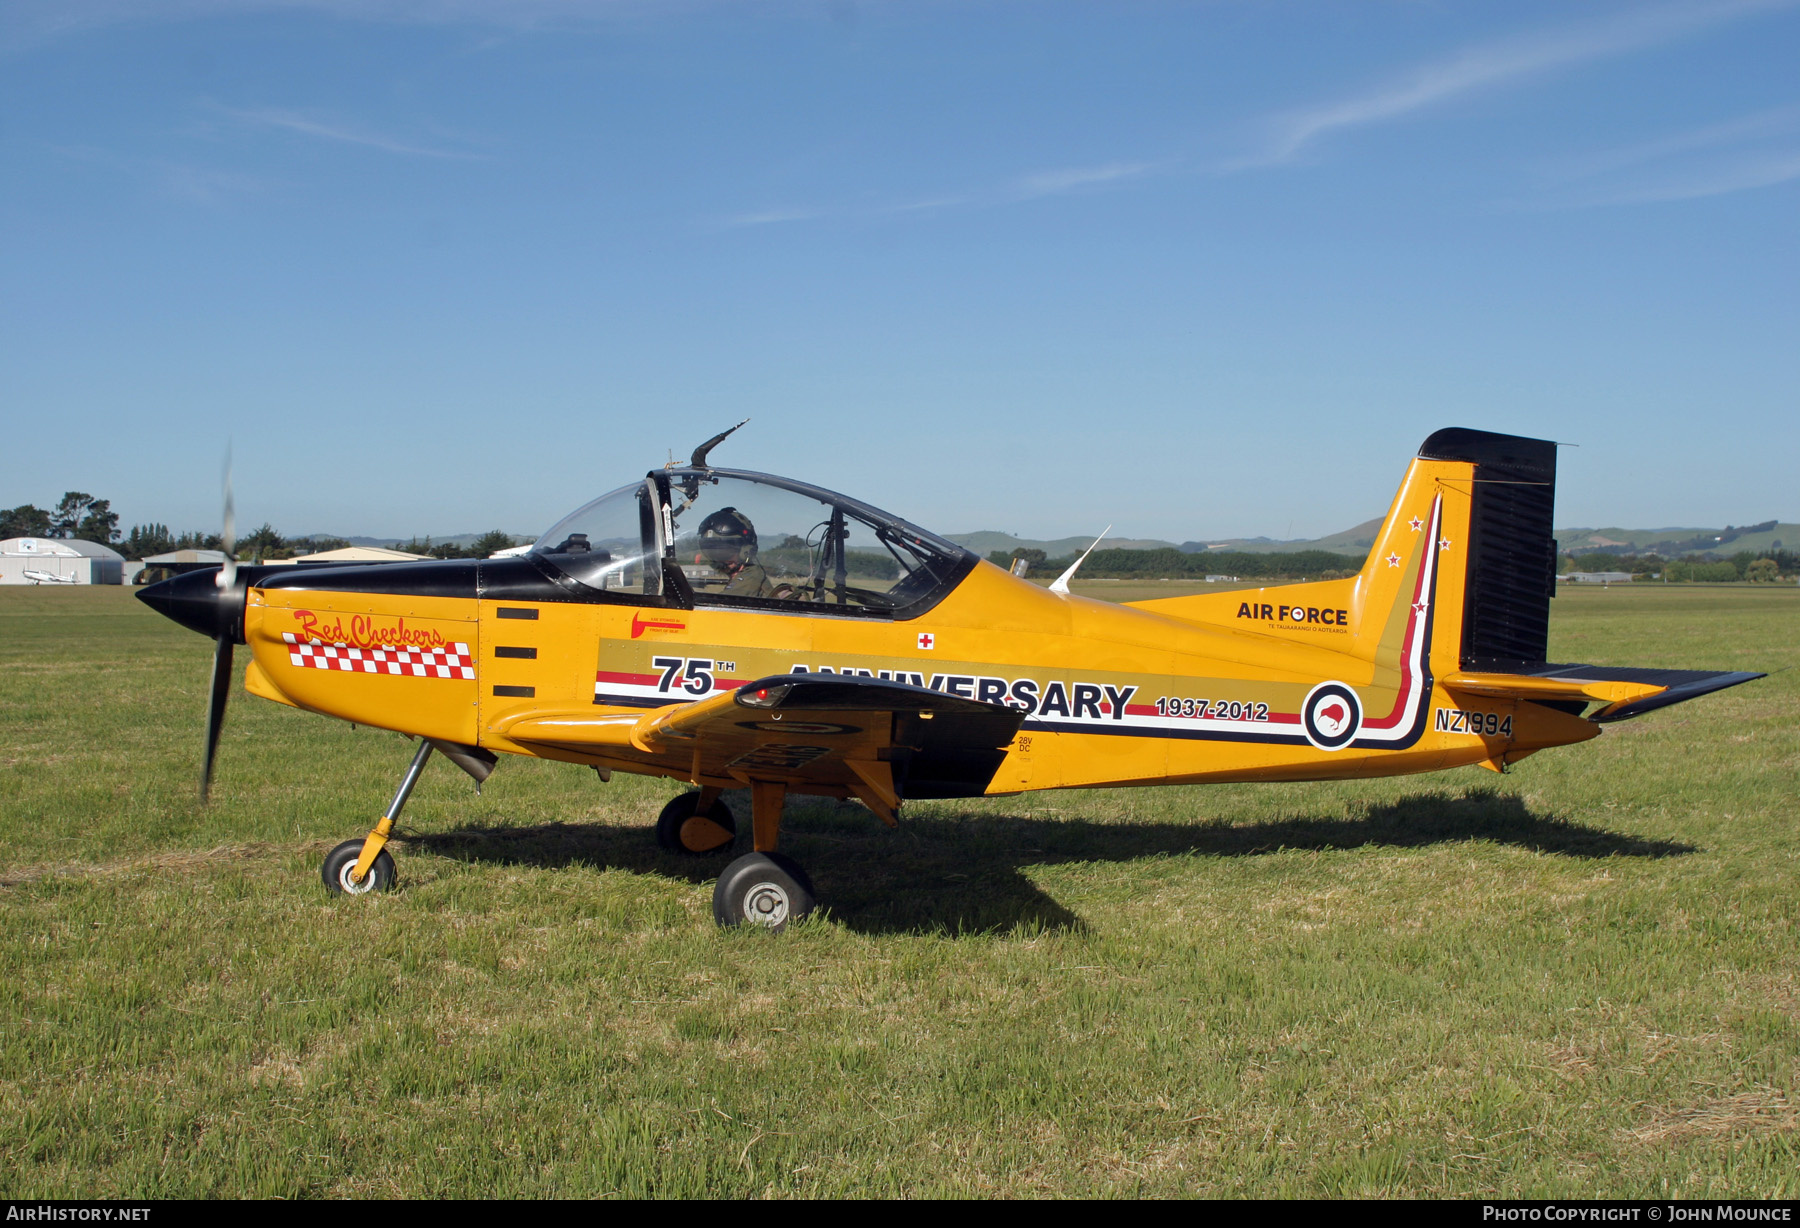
(728, 542)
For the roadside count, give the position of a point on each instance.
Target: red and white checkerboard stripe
(450, 661)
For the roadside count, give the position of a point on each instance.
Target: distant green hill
(986, 543)
(1756, 538)
(1669, 542)
(1351, 541)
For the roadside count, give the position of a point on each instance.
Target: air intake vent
(1512, 547)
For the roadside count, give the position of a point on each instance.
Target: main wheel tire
(763, 889)
(680, 828)
(342, 860)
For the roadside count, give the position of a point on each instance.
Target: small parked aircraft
(737, 630)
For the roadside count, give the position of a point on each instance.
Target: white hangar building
(59, 560)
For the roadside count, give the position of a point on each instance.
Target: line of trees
(1166, 562)
(1766, 567)
(81, 516)
(265, 543)
(145, 540)
(480, 548)
(78, 516)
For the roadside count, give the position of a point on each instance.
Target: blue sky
(1192, 269)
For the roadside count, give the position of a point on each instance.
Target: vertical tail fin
(1465, 557)
(1456, 589)
(1468, 538)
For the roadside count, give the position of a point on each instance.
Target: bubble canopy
(735, 538)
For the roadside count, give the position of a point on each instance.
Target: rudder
(1511, 565)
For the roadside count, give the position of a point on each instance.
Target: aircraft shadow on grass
(961, 873)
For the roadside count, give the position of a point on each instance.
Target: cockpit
(727, 537)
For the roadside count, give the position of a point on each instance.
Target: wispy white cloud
(29, 23)
(1758, 150)
(1493, 65)
(349, 134)
(1776, 123)
(1034, 186)
(770, 217)
(189, 182)
(1739, 174)
(1287, 135)
(204, 185)
(931, 204)
(1055, 183)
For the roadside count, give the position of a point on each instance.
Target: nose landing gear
(340, 866)
(357, 867)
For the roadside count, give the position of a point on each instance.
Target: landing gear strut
(357, 867)
(764, 888)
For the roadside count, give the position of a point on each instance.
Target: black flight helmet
(727, 537)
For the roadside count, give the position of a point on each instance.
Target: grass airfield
(1580, 979)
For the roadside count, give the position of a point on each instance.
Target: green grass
(1578, 979)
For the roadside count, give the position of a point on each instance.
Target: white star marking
(1443, 543)
(1417, 524)
(1393, 560)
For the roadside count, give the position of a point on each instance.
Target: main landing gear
(761, 888)
(357, 867)
(696, 824)
(764, 889)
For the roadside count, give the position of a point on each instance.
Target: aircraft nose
(196, 601)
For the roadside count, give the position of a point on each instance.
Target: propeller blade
(215, 712)
(228, 536)
(221, 674)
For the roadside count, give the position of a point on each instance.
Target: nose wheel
(340, 868)
(358, 867)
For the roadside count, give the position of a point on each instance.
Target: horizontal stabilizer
(1626, 692)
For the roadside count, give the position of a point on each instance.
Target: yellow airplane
(737, 630)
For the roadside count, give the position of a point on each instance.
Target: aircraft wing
(878, 740)
(1625, 691)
